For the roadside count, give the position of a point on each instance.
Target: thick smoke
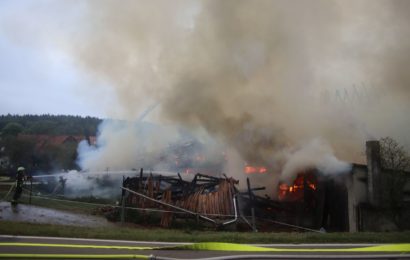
(92, 184)
(123, 145)
(316, 154)
(263, 77)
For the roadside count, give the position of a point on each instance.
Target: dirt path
(34, 214)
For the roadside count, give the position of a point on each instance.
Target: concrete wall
(373, 172)
(366, 203)
(357, 193)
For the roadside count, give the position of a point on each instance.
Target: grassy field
(156, 234)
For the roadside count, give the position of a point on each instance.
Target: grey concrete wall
(357, 193)
(373, 172)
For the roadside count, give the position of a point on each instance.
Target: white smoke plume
(123, 145)
(316, 154)
(101, 185)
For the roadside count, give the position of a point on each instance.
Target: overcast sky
(36, 76)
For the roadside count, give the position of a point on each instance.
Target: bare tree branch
(395, 162)
(393, 155)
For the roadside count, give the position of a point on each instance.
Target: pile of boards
(204, 195)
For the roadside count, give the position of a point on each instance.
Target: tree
(20, 152)
(12, 129)
(393, 155)
(395, 162)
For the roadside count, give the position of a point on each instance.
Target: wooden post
(31, 188)
(123, 203)
(249, 190)
(140, 180)
(253, 220)
(251, 199)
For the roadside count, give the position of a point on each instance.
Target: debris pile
(210, 198)
(217, 200)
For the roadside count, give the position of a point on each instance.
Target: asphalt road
(108, 248)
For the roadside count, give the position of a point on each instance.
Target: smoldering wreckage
(314, 201)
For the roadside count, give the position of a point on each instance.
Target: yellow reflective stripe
(216, 246)
(73, 256)
(249, 248)
(384, 248)
(77, 246)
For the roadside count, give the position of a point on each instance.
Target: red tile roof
(42, 140)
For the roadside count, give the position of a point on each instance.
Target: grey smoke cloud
(256, 74)
(316, 154)
(262, 76)
(123, 145)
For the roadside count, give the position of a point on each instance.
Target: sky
(36, 75)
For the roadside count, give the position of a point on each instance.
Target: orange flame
(295, 191)
(255, 169)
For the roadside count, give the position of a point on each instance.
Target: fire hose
(8, 193)
(235, 217)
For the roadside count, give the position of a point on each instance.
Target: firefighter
(20, 178)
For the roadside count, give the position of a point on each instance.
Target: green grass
(60, 205)
(157, 234)
(75, 205)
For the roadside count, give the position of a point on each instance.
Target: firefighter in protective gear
(20, 178)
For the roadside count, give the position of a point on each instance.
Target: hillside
(48, 125)
(43, 143)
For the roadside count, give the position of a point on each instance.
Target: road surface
(67, 248)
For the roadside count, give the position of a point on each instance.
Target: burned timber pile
(206, 199)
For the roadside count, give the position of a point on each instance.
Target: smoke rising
(262, 77)
(99, 185)
(259, 75)
(126, 145)
(316, 154)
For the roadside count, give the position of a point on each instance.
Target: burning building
(313, 201)
(352, 201)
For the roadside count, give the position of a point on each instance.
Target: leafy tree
(12, 129)
(52, 124)
(65, 156)
(42, 127)
(24, 151)
(19, 151)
